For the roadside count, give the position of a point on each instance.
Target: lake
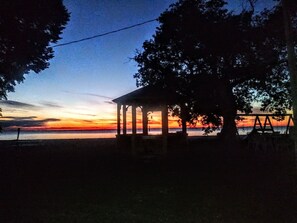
(37, 135)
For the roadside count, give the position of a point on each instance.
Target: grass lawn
(91, 183)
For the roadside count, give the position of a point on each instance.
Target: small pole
(18, 136)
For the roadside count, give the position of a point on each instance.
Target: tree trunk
(229, 111)
(229, 130)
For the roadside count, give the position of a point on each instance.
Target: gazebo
(149, 98)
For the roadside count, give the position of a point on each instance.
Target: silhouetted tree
(218, 61)
(27, 28)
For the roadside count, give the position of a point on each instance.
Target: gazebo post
(124, 119)
(165, 120)
(184, 122)
(144, 121)
(133, 138)
(134, 120)
(164, 127)
(118, 119)
(184, 126)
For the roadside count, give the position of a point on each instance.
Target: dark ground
(88, 181)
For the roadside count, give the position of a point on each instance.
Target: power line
(104, 34)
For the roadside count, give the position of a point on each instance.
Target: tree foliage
(219, 61)
(27, 28)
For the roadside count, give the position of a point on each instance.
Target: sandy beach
(88, 180)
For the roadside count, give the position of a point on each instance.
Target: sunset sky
(77, 89)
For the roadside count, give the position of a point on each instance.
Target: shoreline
(93, 139)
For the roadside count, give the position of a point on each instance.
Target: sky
(76, 91)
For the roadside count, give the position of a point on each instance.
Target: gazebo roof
(149, 95)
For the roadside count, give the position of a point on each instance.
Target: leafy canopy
(27, 28)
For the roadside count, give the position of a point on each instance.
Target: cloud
(17, 104)
(109, 102)
(89, 94)
(20, 118)
(87, 121)
(51, 104)
(98, 95)
(83, 114)
(29, 121)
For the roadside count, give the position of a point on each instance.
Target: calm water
(36, 135)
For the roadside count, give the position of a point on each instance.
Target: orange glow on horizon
(153, 124)
(93, 121)
(102, 124)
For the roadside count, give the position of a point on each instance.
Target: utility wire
(104, 34)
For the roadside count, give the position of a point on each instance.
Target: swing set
(266, 126)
